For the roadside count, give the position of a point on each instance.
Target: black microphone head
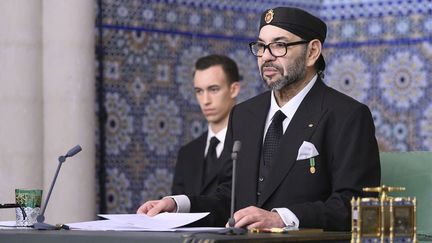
(40, 218)
(73, 151)
(236, 146)
(231, 222)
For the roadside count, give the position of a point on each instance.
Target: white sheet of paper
(111, 225)
(161, 221)
(7, 224)
(135, 222)
(103, 225)
(12, 225)
(198, 229)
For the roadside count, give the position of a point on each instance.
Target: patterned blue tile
(377, 51)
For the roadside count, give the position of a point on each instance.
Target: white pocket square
(306, 151)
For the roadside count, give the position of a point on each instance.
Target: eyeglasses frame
(283, 43)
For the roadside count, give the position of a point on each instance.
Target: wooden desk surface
(72, 236)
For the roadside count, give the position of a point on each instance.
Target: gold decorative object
(269, 16)
(383, 219)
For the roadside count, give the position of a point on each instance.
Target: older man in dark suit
(216, 85)
(306, 148)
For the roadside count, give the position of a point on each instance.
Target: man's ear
(313, 53)
(235, 89)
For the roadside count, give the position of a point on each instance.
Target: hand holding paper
(151, 208)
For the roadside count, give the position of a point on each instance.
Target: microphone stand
(40, 225)
(231, 230)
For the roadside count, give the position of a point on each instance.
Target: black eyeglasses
(14, 205)
(276, 49)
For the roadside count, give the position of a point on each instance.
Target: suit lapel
(300, 129)
(249, 157)
(197, 160)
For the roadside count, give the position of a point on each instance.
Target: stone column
(69, 110)
(21, 129)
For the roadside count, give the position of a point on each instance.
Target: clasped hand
(253, 217)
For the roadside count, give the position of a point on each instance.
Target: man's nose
(206, 98)
(267, 56)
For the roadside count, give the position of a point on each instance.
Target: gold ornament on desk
(383, 219)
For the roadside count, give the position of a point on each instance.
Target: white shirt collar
(290, 108)
(220, 136)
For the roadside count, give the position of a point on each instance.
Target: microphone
(235, 150)
(231, 221)
(73, 151)
(40, 225)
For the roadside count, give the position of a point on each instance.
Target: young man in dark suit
(216, 85)
(306, 148)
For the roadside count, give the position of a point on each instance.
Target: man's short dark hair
(228, 66)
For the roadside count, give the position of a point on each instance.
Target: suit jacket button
(261, 179)
(258, 193)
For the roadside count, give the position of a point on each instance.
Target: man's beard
(295, 73)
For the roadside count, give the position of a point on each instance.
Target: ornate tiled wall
(379, 52)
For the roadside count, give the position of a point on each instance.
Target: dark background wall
(379, 52)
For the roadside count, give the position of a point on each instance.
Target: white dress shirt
(289, 109)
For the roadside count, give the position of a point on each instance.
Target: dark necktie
(272, 138)
(211, 158)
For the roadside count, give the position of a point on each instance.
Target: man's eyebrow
(208, 87)
(276, 39)
(281, 38)
(213, 86)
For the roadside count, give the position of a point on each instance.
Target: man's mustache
(269, 64)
